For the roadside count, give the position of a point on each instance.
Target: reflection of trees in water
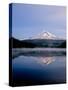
(45, 60)
(40, 59)
(45, 53)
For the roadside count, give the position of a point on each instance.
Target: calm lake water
(32, 69)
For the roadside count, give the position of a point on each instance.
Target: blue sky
(29, 20)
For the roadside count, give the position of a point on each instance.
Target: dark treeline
(63, 45)
(15, 43)
(20, 44)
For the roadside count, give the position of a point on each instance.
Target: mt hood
(45, 35)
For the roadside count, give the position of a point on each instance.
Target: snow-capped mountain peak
(45, 35)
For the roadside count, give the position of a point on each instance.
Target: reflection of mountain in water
(42, 56)
(43, 60)
(46, 60)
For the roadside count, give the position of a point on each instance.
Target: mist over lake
(39, 66)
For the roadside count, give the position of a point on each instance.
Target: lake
(38, 66)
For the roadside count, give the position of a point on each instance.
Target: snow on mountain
(45, 35)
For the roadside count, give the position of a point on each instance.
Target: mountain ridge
(46, 35)
(32, 43)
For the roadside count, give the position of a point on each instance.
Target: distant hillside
(32, 43)
(20, 44)
(51, 43)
